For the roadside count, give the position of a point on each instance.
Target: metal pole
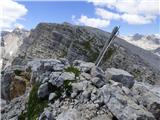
(106, 46)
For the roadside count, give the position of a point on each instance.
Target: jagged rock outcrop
(86, 92)
(10, 42)
(49, 40)
(14, 81)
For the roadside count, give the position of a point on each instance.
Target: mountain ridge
(51, 40)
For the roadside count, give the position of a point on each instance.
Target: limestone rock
(52, 96)
(98, 82)
(148, 96)
(47, 115)
(12, 85)
(71, 114)
(122, 106)
(121, 76)
(43, 91)
(97, 72)
(83, 66)
(58, 78)
(5, 82)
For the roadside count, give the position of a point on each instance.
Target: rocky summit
(80, 91)
(51, 40)
(52, 76)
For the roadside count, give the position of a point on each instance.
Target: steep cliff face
(10, 42)
(49, 40)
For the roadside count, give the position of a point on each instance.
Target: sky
(133, 16)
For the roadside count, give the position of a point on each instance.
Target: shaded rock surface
(14, 83)
(14, 109)
(121, 76)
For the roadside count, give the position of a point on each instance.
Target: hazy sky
(136, 16)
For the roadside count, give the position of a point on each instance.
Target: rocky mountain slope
(49, 40)
(157, 51)
(10, 42)
(82, 91)
(53, 77)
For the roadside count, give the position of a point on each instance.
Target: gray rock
(85, 76)
(46, 79)
(148, 96)
(83, 66)
(121, 76)
(47, 115)
(103, 117)
(58, 78)
(43, 91)
(2, 103)
(48, 66)
(52, 96)
(77, 86)
(5, 84)
(122, 106)
(73, 94)
(98, 82)
(14, 108)
(97, 72)
(67, 76)
(58, 67)
(86, 95)
(34, 65)
(71, 114)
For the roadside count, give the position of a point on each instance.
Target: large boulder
(123, 107)
(83, 66)
(40, 66)
(57, 78)
(43, 91)
(148, 96)
(121, 76)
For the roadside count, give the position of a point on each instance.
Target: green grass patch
(74, 70)
(67, 87)
(22, 116)
(109, 53)
(87, 45)
(18, 72)
(35, 105)
(93, 56)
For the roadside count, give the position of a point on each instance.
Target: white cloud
(131, 11)
(137, 19)
(107, 14)
(93, 22)
(11, 11)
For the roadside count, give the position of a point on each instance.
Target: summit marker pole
(107, 44)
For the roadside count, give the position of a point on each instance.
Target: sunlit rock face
(10, 42)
